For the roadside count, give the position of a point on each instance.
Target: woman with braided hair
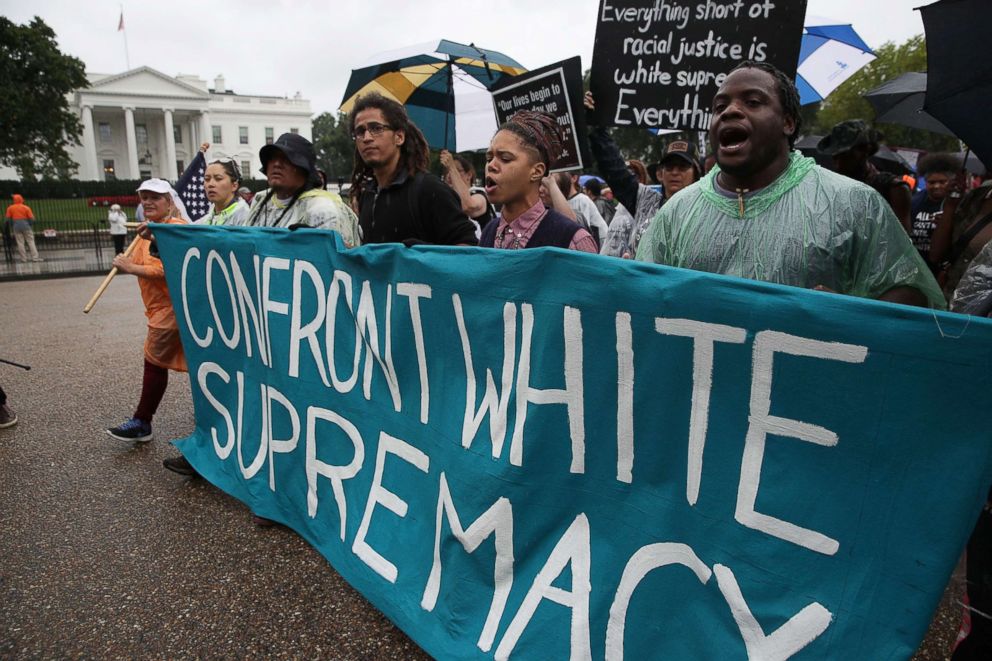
(520, 156)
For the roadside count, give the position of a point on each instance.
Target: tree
(847, 102)
(334, 146)
(37, 124)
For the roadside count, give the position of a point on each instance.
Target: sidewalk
(57, 263)
(103, 553)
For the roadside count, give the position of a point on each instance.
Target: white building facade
(143, 123)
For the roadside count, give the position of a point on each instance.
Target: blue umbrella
(444, 86)
(831, 52)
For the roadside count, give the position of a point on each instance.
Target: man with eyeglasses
(397, 199)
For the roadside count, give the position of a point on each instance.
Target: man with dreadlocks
(397, 199)
(295, 198)
(521, 154)
(768, 213)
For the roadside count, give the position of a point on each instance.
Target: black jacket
(421, 207)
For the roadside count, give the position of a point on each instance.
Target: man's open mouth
(733, 138)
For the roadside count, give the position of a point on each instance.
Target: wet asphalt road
(104, 554)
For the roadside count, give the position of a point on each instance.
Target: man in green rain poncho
(768, 213)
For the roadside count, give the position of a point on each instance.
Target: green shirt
(809, 227)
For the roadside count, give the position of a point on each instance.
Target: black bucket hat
(297, 150)
(847, 135)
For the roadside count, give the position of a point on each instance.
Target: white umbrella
(831, 52)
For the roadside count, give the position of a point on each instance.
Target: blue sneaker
(132, 430)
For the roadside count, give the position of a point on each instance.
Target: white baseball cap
(160, 186)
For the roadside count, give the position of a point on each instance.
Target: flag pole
(122, 28)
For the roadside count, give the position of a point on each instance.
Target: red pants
(153, 385)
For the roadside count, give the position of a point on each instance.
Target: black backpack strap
(959, 246)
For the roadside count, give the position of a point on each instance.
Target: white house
(143, 123)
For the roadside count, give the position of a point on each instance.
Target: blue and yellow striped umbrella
(444, 86)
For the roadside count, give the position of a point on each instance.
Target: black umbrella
(959, 89)
(891, 161)
(972, 163)
(884, 158)
(900, 101)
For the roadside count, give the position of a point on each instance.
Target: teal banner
(542, 454)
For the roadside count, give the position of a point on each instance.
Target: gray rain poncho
(626, 231)
(315, 208)
(809, 227)
(974, 292)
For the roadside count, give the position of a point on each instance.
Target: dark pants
(153, 385)
(977, 628)
(118, 242)
(3, 397)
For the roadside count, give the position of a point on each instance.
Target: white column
(206, 134)
(170, 147)
(134, 171)
(90, 170)
(194, 141)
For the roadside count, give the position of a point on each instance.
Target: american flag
(190, 188)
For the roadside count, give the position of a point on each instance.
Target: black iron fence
(78, 248)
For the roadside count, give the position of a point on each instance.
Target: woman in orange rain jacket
(163, 350)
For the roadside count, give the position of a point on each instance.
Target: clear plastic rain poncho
(315, 208)
(626, 231)
(974, 292)
(809, 227)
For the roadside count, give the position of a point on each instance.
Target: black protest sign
(658, 63)
(557, 90)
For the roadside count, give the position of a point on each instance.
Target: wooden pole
(110, 276)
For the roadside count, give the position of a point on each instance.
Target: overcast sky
(279, 47)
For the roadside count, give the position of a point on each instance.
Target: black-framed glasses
(375, 129)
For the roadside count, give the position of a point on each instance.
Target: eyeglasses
(374, 129)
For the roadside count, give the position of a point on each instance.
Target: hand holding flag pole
(110, 276)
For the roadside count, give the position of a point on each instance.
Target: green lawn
(54, 212)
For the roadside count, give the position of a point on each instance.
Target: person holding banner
(519, 158)
(398, 200)
(220, 183)
(766, 212)
(294, 197)
(163, 349)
